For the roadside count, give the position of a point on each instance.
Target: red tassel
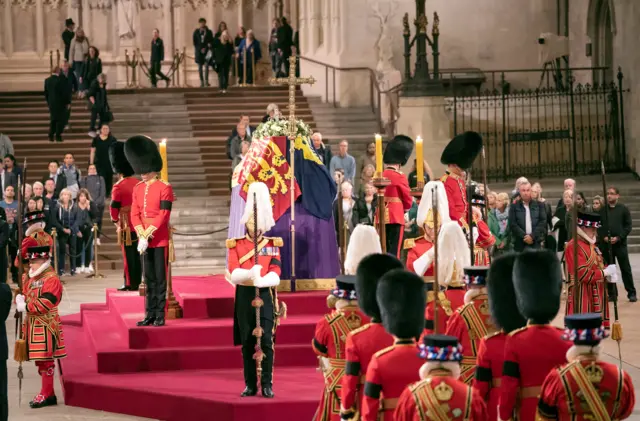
(257, 332)
(257, 302)
(258, 356)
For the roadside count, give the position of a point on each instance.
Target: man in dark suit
(7, 178)
(58, 100)
(202, 43)
(157, 57)
(285, 41)
(527, 221)
(246, 122)
(323, 151)
(5, 307)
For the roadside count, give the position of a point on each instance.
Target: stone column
(312, 44)
(85, 20)
(73, 11)
(167, 36)
(241, 13)
(295, 14)
(211, 16)
(8, 29)
(40, 28)
(303, 27)
(286, 10)
(325, 20)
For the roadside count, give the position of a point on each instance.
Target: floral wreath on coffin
(280, 127)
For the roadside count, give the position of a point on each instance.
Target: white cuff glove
(239, 276)
(475, 235)
(255, 273)
(611, 272)
(142, 245)
(21, 305)
(267, 281)
(422, 263)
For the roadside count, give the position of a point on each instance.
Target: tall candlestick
(164, 174)
(419, 160)
(378, 155)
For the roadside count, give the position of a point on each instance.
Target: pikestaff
(577, 286)
(257, 302)
(470, 191)
(20, 349)
(436, 284)
(616, 329)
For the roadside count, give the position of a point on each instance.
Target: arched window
(601, 30)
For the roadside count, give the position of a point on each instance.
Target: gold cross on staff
(292, 81)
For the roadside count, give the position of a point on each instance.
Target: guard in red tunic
(402, 301)
(439, 395)
(364, 342)
(531, 352)
(42, 329)
(507, 317)
(472, 322)
(586, 388)
(592, 275)
(483, 239)
(150, 213)
(397, 196)
(329, 343)
(120, 211)
(255, 280)
(458, 156)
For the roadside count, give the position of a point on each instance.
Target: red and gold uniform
(120, 211)
(530, 354)
(591, 279)
(483, 243)
(586, 388)
(488, 375)
(397, 201)
(242, 256)
(456, 195)
(34, 236)
(390, 372)
(470, 323)
(444, 312)
(417, 248)
(329, 343)
(42, 329)
(362, 344)
(439, 395)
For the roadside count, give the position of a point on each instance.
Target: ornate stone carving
(54, 4)
(226, 3)
(24, 4)
(257, 4)
(384, 45)
(194, 4)
(100, 4)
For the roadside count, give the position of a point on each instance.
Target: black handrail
(374, 87)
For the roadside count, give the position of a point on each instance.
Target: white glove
(475, 235)
(142, 245)
(21, 305)
(254, 274)
(611, 272)
(239, 276)
(422, 263)
(267, 281)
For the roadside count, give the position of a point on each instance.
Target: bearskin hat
(502, 295)
(537, 278)
(398, 151)
(368, 274)
(402, 300)
(462, 150)
(119, 162)
(143, 154)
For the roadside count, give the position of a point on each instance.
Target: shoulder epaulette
(231, 243)
(118, 182)
(360, 329)
(277, 241)
(138, 183)
(384, 351)
(332, 317)
(409, 243)
(515, 332)
(492, 335)
(462, 308)
(165, 182)
(444, 178)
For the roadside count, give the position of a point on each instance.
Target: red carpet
(189, 369)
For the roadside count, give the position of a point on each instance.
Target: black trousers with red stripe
(394, 233)
(132, 264)
(155, 265)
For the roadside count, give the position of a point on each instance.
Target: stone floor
(80, 290)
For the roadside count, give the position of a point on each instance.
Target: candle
(378, 155)
(164, 174)
(419, 160)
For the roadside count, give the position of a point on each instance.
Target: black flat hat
(462, 150)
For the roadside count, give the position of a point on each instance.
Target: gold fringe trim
(20, 351)
(616, 331)
(172, 250)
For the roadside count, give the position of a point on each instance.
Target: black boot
(267, 392)
(41, 403)
(148, 321)
(159, 321)
(248, 391)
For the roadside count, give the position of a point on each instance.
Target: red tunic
(42, 328)
(242, 252)
(444, 313)
(457, 198)
(397, 197)
(440, 398)
(362, 344)
(489, 371)
(417, 248)
(391, 370)
(455, 295)
(151, 210)
(33, 238)
(530, 354)
(563, 398)
(470, 323)
(592, 282)
(120, 207)
(481, 247)
(329, 342)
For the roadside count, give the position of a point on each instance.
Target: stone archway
(601, 29)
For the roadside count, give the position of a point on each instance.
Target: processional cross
(292, 81)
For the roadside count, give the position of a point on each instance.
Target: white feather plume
(265, 211)
(363, 242)
(426, 203)
(453, 251)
